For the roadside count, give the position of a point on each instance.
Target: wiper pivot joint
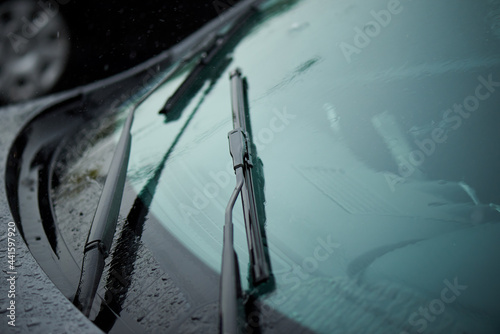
(238, 147)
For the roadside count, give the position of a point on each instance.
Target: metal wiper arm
(100, 237)
(102, 230)
(230, 286)
(239, 148)
(260, 266)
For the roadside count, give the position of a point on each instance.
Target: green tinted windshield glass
(374, 126)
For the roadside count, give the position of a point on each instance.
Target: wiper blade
(104, 223)
(260, 267)
(210, 50)
(239, 148)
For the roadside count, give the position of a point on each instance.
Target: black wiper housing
(102, 230)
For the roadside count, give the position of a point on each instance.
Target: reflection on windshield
(345, 154)
(381, 172)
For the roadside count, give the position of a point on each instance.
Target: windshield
(375, 126)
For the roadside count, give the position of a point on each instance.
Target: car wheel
(34, 49)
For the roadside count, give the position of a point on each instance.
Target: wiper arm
(208, 53)
(103, 226)
(104, 223)
(239, 148)
(230, 284)
(102, 230)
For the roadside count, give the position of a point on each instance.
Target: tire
(34, 49)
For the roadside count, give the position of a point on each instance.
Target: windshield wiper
(260, 267)
(103, 226)
(104, 223)
(210, 50)
(230, 285)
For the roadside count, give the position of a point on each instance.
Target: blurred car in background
(51, 45)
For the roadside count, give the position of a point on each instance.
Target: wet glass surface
(375, 128)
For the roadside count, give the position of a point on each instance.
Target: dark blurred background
(53, 45)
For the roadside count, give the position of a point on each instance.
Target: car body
(372, 129)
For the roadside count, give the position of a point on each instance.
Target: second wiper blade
(209, 52)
